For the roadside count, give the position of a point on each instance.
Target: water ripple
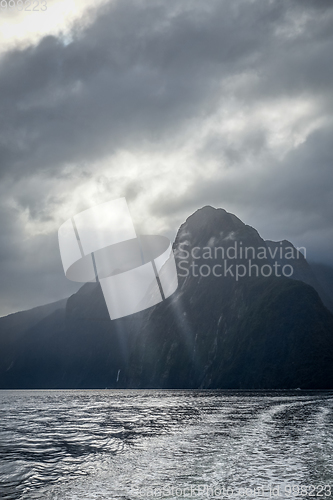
(108, 444)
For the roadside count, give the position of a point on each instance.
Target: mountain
(253, 321)
(14, 327)
(324, 276)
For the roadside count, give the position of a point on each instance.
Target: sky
(174, 104)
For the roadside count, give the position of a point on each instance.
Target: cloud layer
(173, 104)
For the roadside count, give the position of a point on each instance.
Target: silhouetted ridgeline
(214, 332)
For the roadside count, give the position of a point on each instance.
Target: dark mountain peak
(213, 216)
(209, 225)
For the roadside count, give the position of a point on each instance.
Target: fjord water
(107, 444)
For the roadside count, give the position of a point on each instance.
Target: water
(141, 444)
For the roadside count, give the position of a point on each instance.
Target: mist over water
(106, 444)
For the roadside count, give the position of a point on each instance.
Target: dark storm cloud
(148, 74)
(140, 72)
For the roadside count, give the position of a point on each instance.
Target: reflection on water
(123, 444)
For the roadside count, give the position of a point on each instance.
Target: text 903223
(24, 5)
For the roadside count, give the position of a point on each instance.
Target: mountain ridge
(213, 332)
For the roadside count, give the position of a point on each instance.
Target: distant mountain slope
(14, 326)
(214, 332)
(324, 275)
